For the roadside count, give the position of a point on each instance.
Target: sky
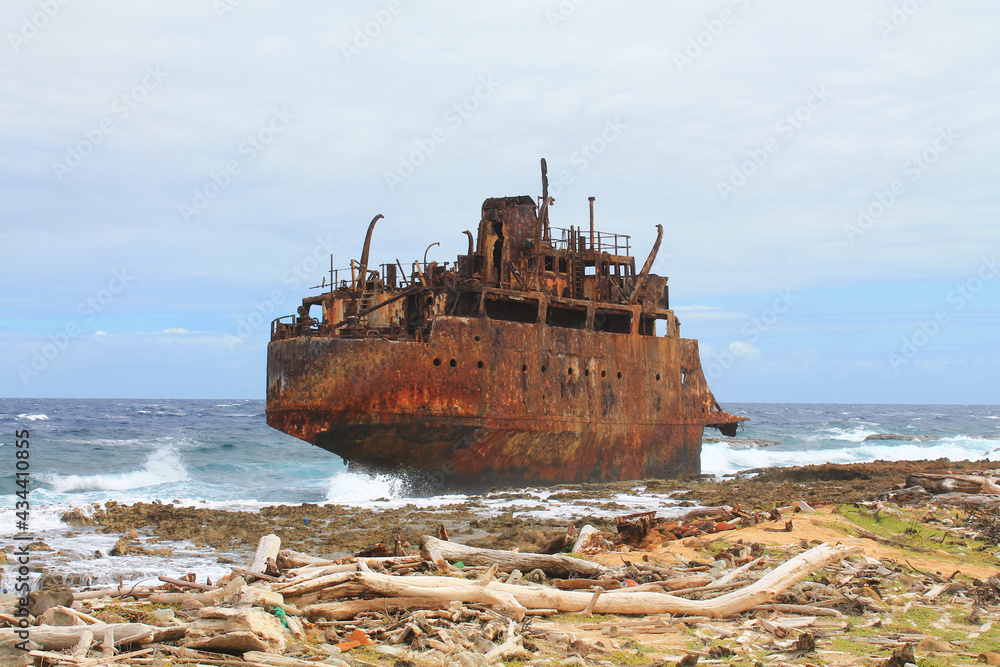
(174, 175)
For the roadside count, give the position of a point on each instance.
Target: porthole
(603, 373)
(619, 375)
(524, 368)
(544, 367)
(437, 362)
(454, 363)
(569, 371)
(479, 364)
(586, 372)
(657, 377)
(477, 338)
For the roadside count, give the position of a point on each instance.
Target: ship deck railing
(565, 239)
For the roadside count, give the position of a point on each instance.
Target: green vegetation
(594, 618)
(909, 531)
(637, 659)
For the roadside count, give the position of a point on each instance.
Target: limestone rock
(220, 621)
(40, 601)
(230, 642)
(929, 644)
(258, 597)
(58, 616)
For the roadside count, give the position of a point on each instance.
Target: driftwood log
(953, 483)
(518, 599)
(589, 537)
(348, 609)
(62, 637)
(966, 499)
(267, 550)
(553, 565)
(208, 597)
(289, 559)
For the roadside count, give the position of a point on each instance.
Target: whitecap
(719, 459)
(349, 488)
(34, 418)
(163, 466)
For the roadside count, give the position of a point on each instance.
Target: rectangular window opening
(467, 304)
(512, 311)
(570, 318)
(613, 321)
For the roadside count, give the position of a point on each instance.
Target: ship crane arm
(641, 280)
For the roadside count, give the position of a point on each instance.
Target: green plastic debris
(282, 616)
(459, 564)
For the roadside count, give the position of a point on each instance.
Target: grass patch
(596, 618)
(909, 531)
(637, 659)
(854, 647)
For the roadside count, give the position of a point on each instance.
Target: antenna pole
(591, 199)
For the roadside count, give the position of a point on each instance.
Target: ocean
(221, 454)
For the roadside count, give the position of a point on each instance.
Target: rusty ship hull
(554, 406)
(512, 368)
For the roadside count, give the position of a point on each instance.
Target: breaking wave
(350, 488)
(720, 459)
(163, 466)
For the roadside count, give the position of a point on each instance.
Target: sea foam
(720, 459)
(163, 466)
(350, 488)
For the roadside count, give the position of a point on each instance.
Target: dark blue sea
(222, 454)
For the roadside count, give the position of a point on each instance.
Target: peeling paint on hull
(548, 406)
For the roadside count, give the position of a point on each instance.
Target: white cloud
(557, 88)
(742, 349)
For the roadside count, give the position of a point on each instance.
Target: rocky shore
(900, 568)
(339, 530)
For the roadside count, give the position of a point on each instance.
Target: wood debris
(452, 604)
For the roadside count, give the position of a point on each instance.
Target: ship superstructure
(540, 356)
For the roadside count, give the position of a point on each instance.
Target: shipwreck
(541, 356)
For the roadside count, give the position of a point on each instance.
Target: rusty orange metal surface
(532, 360)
